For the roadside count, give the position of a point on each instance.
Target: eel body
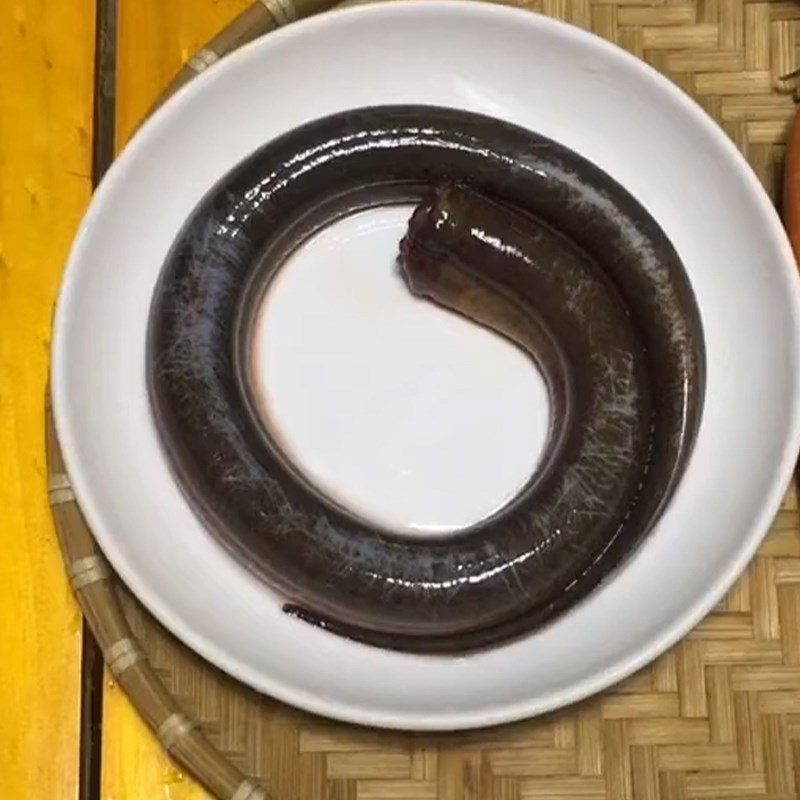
(522, 236)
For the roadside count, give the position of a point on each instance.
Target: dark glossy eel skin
(513, 231)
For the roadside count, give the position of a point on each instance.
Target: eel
(512, 230)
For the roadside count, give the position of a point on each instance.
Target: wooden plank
(46, 93)
(155, 39)
(134, 763)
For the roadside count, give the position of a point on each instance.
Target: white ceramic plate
(553, 79)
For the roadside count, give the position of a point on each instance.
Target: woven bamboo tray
(716, 717)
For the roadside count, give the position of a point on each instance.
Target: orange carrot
(791, 187)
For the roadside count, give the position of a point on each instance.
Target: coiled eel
(512, 230)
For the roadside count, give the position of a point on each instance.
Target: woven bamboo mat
(717, 717)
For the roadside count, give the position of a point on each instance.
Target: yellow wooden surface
(155, 39)
(46, 89)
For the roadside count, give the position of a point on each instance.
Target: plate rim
(448, 719)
